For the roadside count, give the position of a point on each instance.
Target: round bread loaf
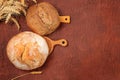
(27, 50)
(42, 18)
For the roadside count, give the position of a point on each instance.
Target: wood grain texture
(94, 43)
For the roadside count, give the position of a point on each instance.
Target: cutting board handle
(61, 42)
(64, 19)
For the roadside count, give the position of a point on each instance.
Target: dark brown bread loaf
(42, 18)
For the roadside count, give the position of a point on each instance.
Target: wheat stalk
(11, 8)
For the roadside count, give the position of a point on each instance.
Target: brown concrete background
(94, 43)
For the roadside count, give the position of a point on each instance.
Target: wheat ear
(8, 18)
(11, 9)
(34, 72)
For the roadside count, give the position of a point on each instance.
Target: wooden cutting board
(93, 52)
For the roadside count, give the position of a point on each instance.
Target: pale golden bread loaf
(27, 50)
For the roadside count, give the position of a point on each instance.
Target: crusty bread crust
(27, 50)
(43, 18)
